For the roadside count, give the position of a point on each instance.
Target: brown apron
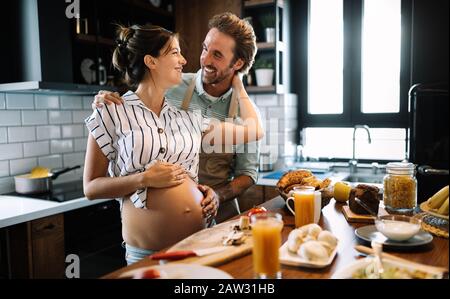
(215, 168)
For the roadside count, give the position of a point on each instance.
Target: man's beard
(217, 78)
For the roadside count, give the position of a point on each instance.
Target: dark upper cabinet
(45, 44)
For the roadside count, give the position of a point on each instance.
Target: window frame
(352, 115)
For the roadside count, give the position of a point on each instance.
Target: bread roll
(313, 251)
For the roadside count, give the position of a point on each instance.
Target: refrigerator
(428, 137)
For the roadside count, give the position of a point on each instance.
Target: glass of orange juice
(266, 232)
(303, 198)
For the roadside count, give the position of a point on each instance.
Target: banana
(443, 210)
(436, 201)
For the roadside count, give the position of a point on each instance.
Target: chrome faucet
(353, 163)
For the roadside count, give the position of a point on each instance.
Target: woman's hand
(107, 97)
(163, 175)
(237, 84)
(210, 203)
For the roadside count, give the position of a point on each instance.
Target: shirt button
(209, 107)
(162, 150)
(160, 130)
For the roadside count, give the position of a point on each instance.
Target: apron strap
(188, 95)
(232, 112)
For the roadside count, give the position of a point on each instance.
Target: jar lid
(400, 168)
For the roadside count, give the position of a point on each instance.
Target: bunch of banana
(438, 203)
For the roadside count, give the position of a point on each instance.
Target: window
(357, 73)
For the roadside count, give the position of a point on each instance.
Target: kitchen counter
(332, 219)
(15, 209)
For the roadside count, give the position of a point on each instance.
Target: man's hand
(107, 97)
(210, 202)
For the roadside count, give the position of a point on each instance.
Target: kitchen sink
(364, 178)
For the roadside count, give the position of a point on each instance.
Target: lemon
(342, 191)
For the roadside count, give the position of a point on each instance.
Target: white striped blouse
(133, 138)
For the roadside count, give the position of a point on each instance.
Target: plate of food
(304, 177)
(309, 246)
(366, 269)
(176, 271)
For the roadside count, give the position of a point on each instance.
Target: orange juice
(266, 244)
(304, 206)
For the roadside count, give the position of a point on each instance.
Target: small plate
(348, 271)
(183, 271)
(292, 259)
(424, 207)
(370, 233)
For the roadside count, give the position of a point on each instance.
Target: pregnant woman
(146, 152)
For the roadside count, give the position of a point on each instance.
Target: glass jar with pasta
(400, 188)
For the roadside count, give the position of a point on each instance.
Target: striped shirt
(133, 138)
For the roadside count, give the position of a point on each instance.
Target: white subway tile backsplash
(73, 159)
(80, 144)
(59, 117)
(35, 117)
(46, 101)
(2, 101)
(4, 168)
(6, 184)
(61, 146)
(48, 132)
(71, 102)
(34, 149)
(71, 131)
(52, 162)
(3, 135)
(87, 102)
(21, 134)
(22, 166)
(80, 116)
(276, 112)
(266, 100)
(10, 118)
(19, 101)
(11, 151)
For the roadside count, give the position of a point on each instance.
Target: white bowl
(398, 227)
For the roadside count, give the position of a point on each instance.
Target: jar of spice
(400, 188)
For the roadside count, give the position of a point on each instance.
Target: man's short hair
(242, 33)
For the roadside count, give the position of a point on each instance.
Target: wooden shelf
(258, 3)
(265, 46)
(92, 39)
(260, 89)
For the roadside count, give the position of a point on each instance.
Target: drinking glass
(266, 231)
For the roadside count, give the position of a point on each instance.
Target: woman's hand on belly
(163, 175)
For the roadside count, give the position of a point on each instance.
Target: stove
(60, 193)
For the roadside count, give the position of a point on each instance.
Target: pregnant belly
(172, 214)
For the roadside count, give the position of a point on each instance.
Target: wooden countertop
(435, 253)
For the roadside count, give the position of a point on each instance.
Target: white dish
(370, 233)
(182, 271)
(292, 259)
(347, 272)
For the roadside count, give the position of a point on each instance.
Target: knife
(181, 254)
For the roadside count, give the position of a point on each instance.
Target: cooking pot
(27, 185)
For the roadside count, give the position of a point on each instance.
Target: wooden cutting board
(211, 237)
(352, 217)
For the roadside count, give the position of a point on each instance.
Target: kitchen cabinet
(272, 50)
(93, 35)
(35, 249)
